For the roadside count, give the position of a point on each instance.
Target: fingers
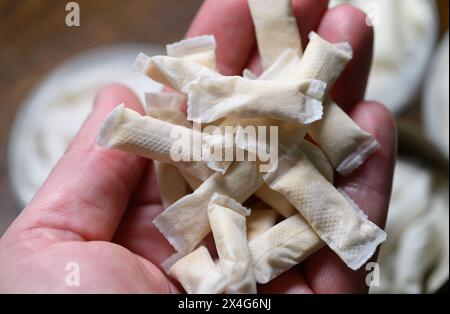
(147, 192)
(347, 23)
(369, 186)
(308, 14)
(89, 188)
(231, 24)
(138, 234)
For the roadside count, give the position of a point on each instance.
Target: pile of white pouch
(304, 210)
(56, 110)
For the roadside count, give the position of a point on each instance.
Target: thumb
(89, 188)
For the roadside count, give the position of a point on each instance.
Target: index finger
(231, 24)
(346, 23)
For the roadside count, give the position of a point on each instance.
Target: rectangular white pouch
(199, 49)
(259, 221)
(289, 135)
(318, 159)
(157, 103)
(332, 215)
(198, 274)
(227, 219)
(127, 130)
(276, 29)
(323, 60)
(282, 246)
(177, 73)
(346, 145)
(171, 183)
(212, 98)
(277, 200)
(185, 223)
(167, 107)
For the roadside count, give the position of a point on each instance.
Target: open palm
(97, 206)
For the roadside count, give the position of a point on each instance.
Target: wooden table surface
(34, 39)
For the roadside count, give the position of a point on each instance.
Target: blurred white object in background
(436, 98)
(405, 34)
(54, 111)
(415, 257)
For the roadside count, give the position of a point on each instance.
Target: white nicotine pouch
(259, 221)
(167, 107)
(127, 130)
(323, 60)
(227, 219)
(198, 274)
(281, 247)
(318, 159)
(185, 223)
(346, 145)
(331, 214)
(276, 29)
(200, 49)
(177, 73)
(171, 182)
(213, 98)
(277, 200)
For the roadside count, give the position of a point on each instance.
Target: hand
(96, 207)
